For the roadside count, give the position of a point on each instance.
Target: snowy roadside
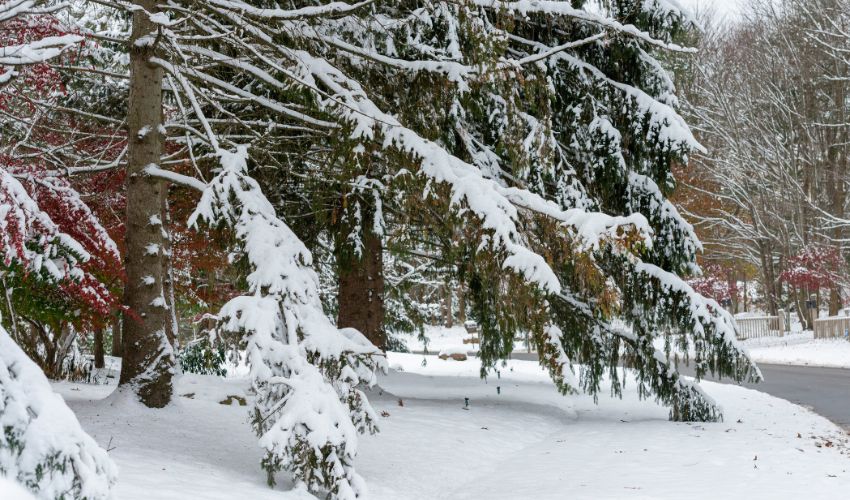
(800, 349)
(522, 441)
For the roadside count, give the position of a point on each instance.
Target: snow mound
(450, 350)
(42, 445)
(11, 491)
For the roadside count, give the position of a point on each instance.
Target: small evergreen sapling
(308, 410)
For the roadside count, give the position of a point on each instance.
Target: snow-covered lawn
(441, 338)
(526, 442)
(800, 349)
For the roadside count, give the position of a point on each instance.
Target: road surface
(826, 391)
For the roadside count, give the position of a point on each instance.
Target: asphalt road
(826, 391)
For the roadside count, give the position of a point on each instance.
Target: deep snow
(527, 442)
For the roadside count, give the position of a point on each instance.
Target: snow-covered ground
(797, 348)
(800, 349)
(524, 442)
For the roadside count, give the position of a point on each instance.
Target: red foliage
(46, 226)
(39, 79)
(715, 283)
(45, 219)
(813, 268)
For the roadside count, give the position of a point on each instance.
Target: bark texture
(361, 289)
(99, 355)
(148, 364)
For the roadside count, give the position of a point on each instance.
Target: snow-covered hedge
(42, 445)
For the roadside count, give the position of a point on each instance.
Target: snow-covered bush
(42, 445)
(203, 357)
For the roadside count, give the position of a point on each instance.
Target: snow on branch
(32, 237)
(713, 328)
(497, 206)
(671, 227)
(174, 177)
(705, 311)
(38, 51)
(22, 222)
(31, 52)
(326, 10)
(669, 124)
(559, 8)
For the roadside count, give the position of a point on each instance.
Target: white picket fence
(755, 327)
(832, 327)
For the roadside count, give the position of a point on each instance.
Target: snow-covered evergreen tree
(556, 133)
(545, 129)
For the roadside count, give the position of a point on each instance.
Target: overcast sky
(730, 8)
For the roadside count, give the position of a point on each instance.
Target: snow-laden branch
(174, 177)
(23, 222)
(709, 317)
(38, 51)
(559, 8)
(497, 206)
(670, 124)
(549, 52)
(15, 8)
(325, 10)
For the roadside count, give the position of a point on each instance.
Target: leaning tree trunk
(116, 334)
(361, 287)
(148, 363)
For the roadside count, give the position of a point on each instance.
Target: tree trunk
(802, 309)
(816, 310)
(461, 303)
(732, 285)
(63, 345)
(116, 334)
(834, 301)
(361, 288)
(99, 361)
(148, 364)
(766, 257)
(836, 186)
(168, 276)
(449, 319)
